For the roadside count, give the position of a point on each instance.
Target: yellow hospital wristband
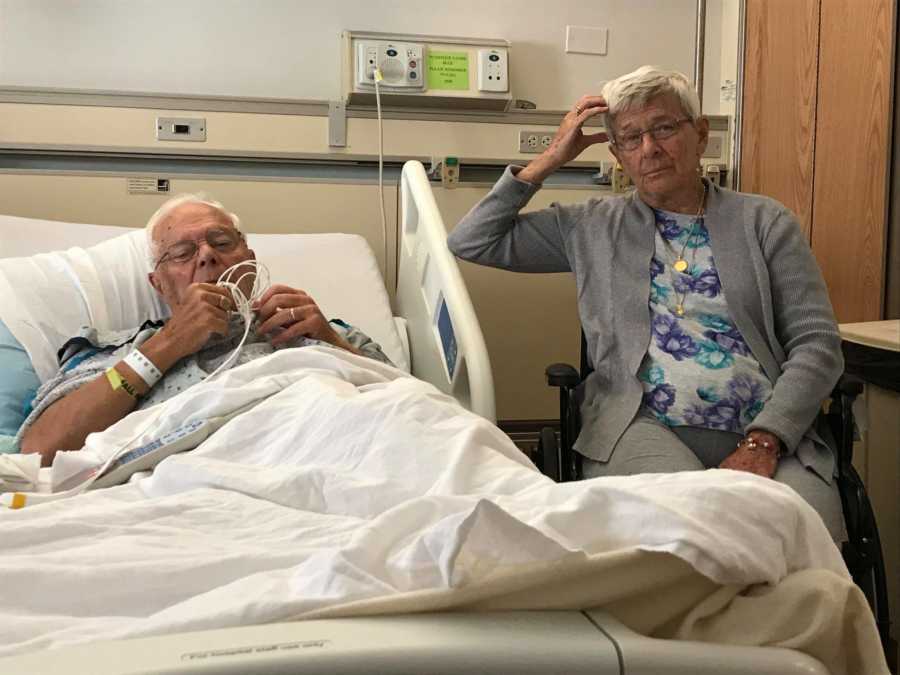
(116, 381)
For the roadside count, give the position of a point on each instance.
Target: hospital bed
(435, 335)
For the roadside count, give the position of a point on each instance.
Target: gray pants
(648, 446)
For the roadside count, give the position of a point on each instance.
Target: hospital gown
(92, 352)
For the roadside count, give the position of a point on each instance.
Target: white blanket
(345, 481)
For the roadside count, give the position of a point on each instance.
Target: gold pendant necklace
(681, 265)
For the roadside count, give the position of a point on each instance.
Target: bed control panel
(444, 327)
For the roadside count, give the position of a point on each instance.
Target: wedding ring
(577, 109)
(293, 318)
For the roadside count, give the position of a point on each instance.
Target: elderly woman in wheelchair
(707, 322)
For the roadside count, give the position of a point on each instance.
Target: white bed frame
(447, 349)
(447, 643)
(446, 344)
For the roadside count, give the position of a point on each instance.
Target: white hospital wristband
(143, 367)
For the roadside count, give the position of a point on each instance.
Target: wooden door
(852, 153)
(816, 132)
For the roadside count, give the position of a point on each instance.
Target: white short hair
(643, 84)
(165, 211)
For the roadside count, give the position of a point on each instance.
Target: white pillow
(45, 299)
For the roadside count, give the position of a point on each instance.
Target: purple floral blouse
(697, 371)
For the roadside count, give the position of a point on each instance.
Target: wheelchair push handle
(562, 375)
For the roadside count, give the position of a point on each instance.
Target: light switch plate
(713, 147)
(180, 128)
(586, 40)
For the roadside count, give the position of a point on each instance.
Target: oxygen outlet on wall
(450, 172)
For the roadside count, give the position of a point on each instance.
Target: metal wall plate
(337, 124)
(146, 186)
(181, 128)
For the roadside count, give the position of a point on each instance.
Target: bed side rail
(446, 343)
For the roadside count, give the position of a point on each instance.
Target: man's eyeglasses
(631, 140)
(222, 241)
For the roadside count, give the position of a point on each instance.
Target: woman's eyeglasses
(631, 140)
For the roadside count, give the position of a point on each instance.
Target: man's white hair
(645, 83)
(164, 212)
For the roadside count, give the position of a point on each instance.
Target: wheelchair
(862, 551)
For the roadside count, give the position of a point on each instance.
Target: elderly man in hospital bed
(106, 375)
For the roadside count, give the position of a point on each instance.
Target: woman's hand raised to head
(569, 141)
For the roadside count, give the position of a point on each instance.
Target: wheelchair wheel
(862, 552)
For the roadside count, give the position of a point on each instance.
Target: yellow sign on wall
(448, 70)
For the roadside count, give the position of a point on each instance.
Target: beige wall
(135, 129)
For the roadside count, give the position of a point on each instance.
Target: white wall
(290, 49)
(730, 40)
(712, 75)
(721, 55)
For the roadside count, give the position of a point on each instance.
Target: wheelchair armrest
(562, 375)
(849, 386)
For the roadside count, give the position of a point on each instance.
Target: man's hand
(757, 453)
(569, 141)
(298, 315)
(202, 314)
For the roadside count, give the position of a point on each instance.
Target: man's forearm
(94, 406)
(65, 425)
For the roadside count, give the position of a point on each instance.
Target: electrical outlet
(534, 141)
(620, 180)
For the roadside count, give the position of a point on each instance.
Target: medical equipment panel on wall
(423, 71)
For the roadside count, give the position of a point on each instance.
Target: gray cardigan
(774, 289)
